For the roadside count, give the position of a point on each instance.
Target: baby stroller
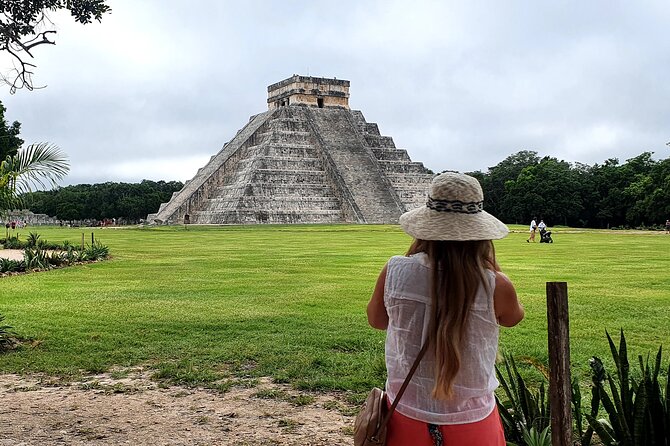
(545, 236)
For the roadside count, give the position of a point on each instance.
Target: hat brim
(427, 224)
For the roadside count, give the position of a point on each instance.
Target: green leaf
(37, 165)
(624, 381)
(603, 433)
(510, 425)
(611, 411)
(640, 409)
(621, 416)
(615, 353)
(504, 384)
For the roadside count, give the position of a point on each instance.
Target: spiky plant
(523, 410)
(638, 410)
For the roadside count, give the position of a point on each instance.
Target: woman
(448, 291)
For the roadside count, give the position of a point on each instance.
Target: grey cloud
(460, 85)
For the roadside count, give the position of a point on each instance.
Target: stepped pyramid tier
(308, 159)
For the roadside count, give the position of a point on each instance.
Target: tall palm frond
(38, 165)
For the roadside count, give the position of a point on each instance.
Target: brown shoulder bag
(371, 421)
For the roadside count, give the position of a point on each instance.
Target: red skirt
(405, 431)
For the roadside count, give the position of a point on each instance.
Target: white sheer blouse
(407, 302)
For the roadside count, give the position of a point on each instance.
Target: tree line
(131, 202)
(635, 193)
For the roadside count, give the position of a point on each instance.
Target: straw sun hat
(454, 211)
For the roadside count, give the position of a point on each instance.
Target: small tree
(9, 135)
(37, 165)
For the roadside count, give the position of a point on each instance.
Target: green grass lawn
(210, 303)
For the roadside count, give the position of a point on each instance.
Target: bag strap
(404, 386)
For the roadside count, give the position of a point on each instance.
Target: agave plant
(533, 437)
(597, 376)
(96, 251)
(33, 239)
(36, 258)
(56, 258)
(13, 242)
(12, 266)
(73, 255)
(638, 411)
(523, 410)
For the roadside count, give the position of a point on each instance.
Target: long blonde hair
(458, 270)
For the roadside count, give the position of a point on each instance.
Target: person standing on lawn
(448, 292)
(533, 228)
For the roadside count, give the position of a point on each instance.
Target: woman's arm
(377, 316)
(509, 311)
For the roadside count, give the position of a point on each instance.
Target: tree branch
(23, 75)
(31, 43)
(21, 25)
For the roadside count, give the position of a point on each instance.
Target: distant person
(448, 294)
(541, 226)
(667, 226)
(533, 229)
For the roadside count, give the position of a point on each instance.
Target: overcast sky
(160, 85)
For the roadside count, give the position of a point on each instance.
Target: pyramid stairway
(299, 164)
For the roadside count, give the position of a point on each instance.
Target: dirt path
(134, 410)
(12, 254)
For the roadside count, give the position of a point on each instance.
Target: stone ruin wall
(305, 90)
(311, 101)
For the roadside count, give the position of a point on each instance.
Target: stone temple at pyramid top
(309, 158)
(311, 91)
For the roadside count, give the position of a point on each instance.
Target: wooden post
(92, 239)
(560, 388)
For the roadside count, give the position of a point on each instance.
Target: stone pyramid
(308, 159)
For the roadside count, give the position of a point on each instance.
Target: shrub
(534, 437)
(638, 409)
(96, 251)
(585, 436)
(36, 258)
(525, 415)
(13, 242)
(73, 255)
(12, 266)
(32, 240)
(56, 258)
(36, 255)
